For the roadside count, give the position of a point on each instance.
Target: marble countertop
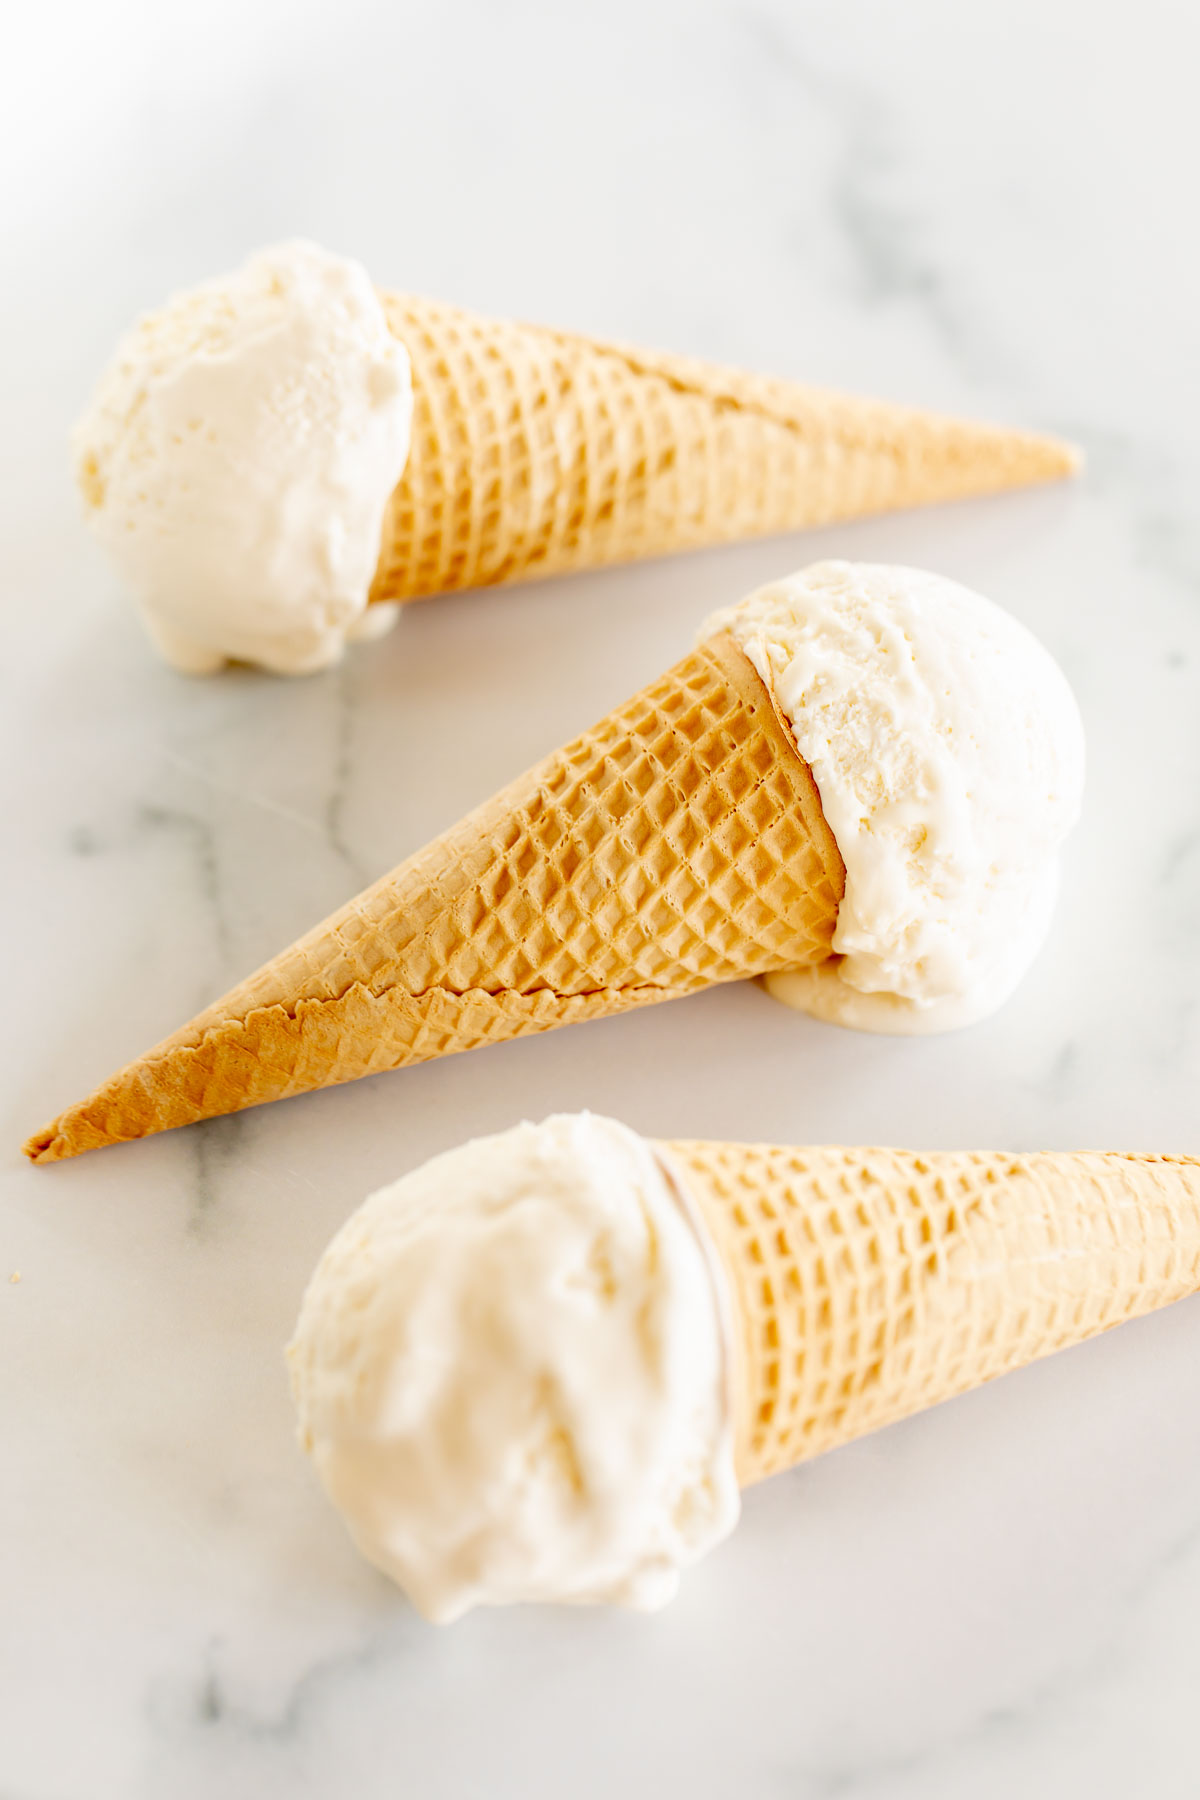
(985, 209)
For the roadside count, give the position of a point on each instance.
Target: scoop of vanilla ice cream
(947, 749)
(238, 456)
(510, 1371)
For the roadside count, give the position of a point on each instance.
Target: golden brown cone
(870, 1284)
(678, 843)
(535, 451)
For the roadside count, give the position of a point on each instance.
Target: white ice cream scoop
(238, 457)
(511, 1373)
(948, 752)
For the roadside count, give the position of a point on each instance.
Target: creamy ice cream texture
(238, 456)
(948, 752)
(510, 1370)
(534, 1369)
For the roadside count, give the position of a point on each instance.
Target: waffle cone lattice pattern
(870, 1284)
(534, 451)
(679, 843)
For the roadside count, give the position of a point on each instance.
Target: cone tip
(1034, 456)
(45, 1146)
(1067, 459)
(71, 1134)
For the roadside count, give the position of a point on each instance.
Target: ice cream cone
(678, 843)
(535, 452)
(870, 1284)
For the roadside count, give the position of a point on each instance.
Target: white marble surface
(986, 208)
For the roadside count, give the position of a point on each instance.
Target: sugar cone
(870, 1284)
(678, 843)
(534, 451)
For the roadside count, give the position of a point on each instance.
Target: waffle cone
(535, 452)
(870, 1284)
(678, 843)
